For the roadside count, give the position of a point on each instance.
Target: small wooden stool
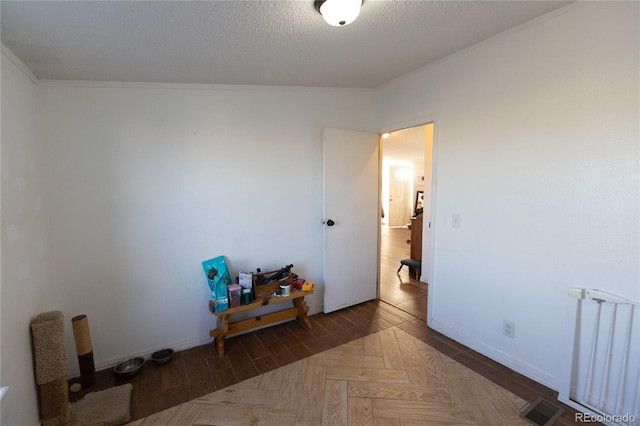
(414, 267)
(224, 327)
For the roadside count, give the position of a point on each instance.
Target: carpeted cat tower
(47, 332)
(110, 407)
(84, 348)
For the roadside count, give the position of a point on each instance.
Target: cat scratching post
(84, 349)
(47, 332)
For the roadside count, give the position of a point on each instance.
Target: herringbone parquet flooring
(385, 378)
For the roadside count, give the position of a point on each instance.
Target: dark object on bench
(414, 267)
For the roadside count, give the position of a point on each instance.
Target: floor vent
(542, 413)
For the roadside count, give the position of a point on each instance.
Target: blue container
(218, 277)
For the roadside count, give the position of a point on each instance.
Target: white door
(399, 198)
(351, 217)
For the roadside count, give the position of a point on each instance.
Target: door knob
(330, 222)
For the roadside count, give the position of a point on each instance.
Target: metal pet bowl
(129, 367)
(162, 356)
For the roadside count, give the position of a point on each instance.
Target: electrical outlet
(509, 328)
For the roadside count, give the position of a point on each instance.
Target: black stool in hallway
(414, 268)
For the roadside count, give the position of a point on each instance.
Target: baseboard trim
(177, 346)
(513, 363)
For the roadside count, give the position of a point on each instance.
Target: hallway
(410, 295)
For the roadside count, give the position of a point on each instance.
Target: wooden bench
(224, 327)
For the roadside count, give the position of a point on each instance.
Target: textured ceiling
(268, 42)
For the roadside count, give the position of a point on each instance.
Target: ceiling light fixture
(339, 12)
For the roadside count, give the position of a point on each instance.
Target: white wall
(135, 186)
(146, 182)
(537, 149)
(26, 270)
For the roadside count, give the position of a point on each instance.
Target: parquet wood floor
(379, 361)
(386, 378)
(368, 364)
(403, 292)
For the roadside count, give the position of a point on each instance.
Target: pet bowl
(162, 356)
(129, 367)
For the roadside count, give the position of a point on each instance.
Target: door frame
(421, 121)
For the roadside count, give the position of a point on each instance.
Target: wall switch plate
(455, 220)
(509, 328)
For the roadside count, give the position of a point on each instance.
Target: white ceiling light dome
(339, 12)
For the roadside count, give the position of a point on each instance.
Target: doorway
(407, 157)
(399, 189)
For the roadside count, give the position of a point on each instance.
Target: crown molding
(8, 54)
(191, 86)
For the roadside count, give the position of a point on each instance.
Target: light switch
(455, 220)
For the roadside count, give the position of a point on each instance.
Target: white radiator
(602, 380)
